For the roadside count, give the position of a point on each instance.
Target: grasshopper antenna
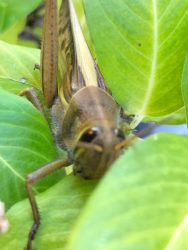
(135, 136)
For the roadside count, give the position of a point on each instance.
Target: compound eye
(120, 134)
(89, 135)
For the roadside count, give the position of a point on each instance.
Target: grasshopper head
(96, 151)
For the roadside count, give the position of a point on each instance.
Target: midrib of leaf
(27, 150)
(177, 234)
(151, 81)
(11, 169)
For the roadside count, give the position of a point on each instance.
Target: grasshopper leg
(32, 96)
(32, 179)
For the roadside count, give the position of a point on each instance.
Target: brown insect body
(91, 114)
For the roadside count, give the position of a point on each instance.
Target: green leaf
(12, 86)
(25, 144)
(12, 26)
(17, 63)
(59, 207)
(141, 47)
(11, 34)
(3, 7)
(15, 10)
(175, 118)
(140, 202)
(184, 87)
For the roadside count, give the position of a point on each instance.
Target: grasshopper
(86, 118)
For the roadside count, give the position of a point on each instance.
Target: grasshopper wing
(76, 65)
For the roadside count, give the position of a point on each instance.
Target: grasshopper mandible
(86, 117)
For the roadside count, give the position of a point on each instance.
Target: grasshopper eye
(89, 135)
(119, 133)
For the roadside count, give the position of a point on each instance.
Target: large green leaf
(141, 47)
(59, 207)
(17, 64)
(25, 144)
(141, 202)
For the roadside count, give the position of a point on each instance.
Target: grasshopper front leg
(32, 96)
(32, 179)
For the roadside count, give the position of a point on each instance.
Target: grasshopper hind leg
(31, 179)
(57, 115)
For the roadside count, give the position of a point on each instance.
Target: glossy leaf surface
(25, 144)
(17, 64)
(59, 206)
(141, 202)
(145, 44)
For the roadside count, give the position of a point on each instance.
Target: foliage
(12, 18)
(146, 47)
(141, 203)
